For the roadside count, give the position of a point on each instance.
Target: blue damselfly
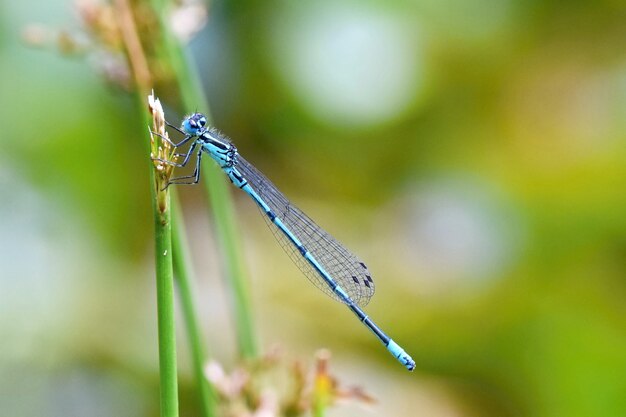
(325, 261)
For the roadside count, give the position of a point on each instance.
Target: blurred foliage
(490, 203)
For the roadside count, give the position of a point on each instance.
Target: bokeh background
(472, 152)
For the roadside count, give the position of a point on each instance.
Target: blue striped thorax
(211, 140)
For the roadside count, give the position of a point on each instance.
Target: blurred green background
(473, 153)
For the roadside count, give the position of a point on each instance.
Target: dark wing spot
(363, 265)
(367, 283)
(368, 278)
(355, 279)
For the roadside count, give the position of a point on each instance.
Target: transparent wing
(344, 267)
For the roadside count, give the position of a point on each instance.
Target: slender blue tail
(393, 348)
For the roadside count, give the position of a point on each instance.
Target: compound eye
(202, 121)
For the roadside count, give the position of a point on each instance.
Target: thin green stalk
(182, 271)
(164, 283)
(160, 174)
(165, 308)
(229, 237)
(226, 231)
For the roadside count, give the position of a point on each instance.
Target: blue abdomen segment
(399, 353)
(393, 348)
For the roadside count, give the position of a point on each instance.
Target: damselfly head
(194, 124)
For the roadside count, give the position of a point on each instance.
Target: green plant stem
(182, 271)
(228, 236)
(165, 309)
(221, 204)
(164, 288)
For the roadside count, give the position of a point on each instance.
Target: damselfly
(325, 261)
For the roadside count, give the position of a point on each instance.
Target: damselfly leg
(196, 171)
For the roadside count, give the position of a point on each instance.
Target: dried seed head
(160, 148)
